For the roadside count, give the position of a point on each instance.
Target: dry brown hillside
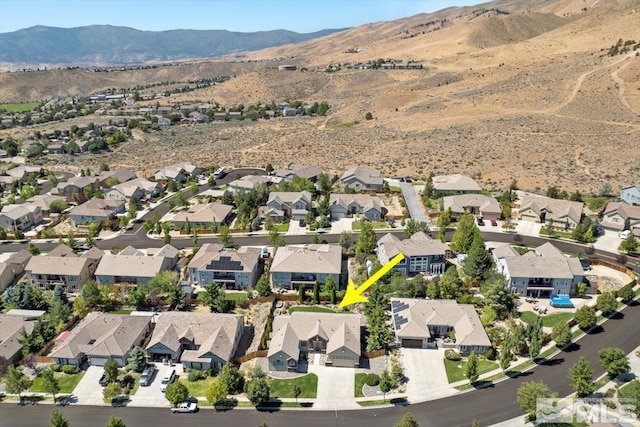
(510, 89)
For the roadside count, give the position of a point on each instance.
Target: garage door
(412, 343)
(98, 361)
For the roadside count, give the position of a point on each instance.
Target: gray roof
(214, 257)
(289, 197)
(120, 175)
(11, 327)
(312, 259)
(136, 265)
(503, 251)
(413, 316)
(341, 330)
(366, 202)
(303, 171)
(97, 208)
(43, 201)
(212, 332)
(59, 262)
(18, 211)
(546, 262)
(455, 182)
(129, 188)
(204, 213)
(102, 334)
(625, 211)
(556, 209)
(463, 202)
(366, 176)
(419, 244)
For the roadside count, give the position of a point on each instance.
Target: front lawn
(281, 228)
(198, 388)
(310, 308)
(359, 384)
(549, 320)
(284, 388)
(238, 297)
(121, 311)
(357, 225)
(67, 382)
(455, 370)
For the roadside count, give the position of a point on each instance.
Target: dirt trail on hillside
(621, 86)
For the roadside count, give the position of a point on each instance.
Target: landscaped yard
(238, 297)
(67, 382)
(121, 311)
(18, 107)
(357, 225)
(284, 388)
(359, 383)
(549, 320)
(455, 370)
(198, 388)
(281, 228)
(310, 308)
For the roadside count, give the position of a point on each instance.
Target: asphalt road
(489, 405)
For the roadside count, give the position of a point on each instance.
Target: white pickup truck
(185, 407)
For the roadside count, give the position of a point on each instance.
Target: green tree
(215, 298)
(80, 307)
(16, 382)
(275, 239)
(379, 334)
(258, 391)
(296, 391)
(302, 294)
(407, 420)
(163, 280)
(111, 391)
(176, 392)
(316, 292)
(465, 234)
(581, 377)
(607, 303)
(176, 297)
(91, 294)
(428, 187)
(629, 244)
(581, 289)
(217, 392)
(506, 355)
(450, 284)
(478, 264)
(225, 236)
(561, 334)
(471, 369)
(397, 373)
(115, 422)
(585, 317)
(330, 288)
(529, 391)
(263, 287)
(57, 420)
(138, 296)
(614, 361)
(630, 394)
(51, 383)
(366, 242)
(111, 370)
(137, 360)
(3, 234)
(626, 293)
(33, 249)
(498, 296)
(386, 384)
(536, 337)
(412, 227)
(231, 378)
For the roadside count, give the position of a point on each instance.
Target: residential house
(361, 179)
(198, 340)
(199, 117)
(478, 204)
(179, 172)
(118, 176)
(348, 205)
(249, 182)
(420, 323)
(43, 201)
(20, 217)
(312, 173)
(203, 215)
(620, 216)
(62, 266)
(422, 254)
(76, 185)
(295, 337)
(101, 336)
(234, 269)
(13, 325)
(540, 273)
(454, 184)
(631, 195)
(22, 172)
(293, 267)
(12, 266)
(288, 204)
(133, 266)
(95, 210)
(140, 188)
(560, 214)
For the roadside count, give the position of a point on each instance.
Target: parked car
(185, 407)
(624, 234)
(168, 378)
(103, 380)
(265, 252)
(303, 223)
(147, 375)
(480, 221)
(494, 223)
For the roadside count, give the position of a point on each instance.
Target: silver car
(147, 375)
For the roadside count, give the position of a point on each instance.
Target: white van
(624, 234)
(168, 378)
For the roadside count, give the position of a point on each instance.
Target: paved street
(412, 199)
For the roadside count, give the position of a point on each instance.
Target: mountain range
(106, 44)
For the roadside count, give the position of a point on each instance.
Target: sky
(303, 16)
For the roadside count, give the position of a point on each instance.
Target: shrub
(195, 375)
(490, 354)
(70, 369)
(610, 392)
(451, 354)
(55, 367)
(372, 380)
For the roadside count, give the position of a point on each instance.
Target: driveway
(151, 394)
(294, 228)
(609, 241)
(340, 225)
(528, 228)
(413, 202)
(336, 386)
(89, 391)
(427, 378)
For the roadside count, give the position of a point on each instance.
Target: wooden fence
(249, 356)
(616, 267)
(373, 354)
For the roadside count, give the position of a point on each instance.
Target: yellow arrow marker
(354, 295)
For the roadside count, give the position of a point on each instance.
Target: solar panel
(225, 263)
